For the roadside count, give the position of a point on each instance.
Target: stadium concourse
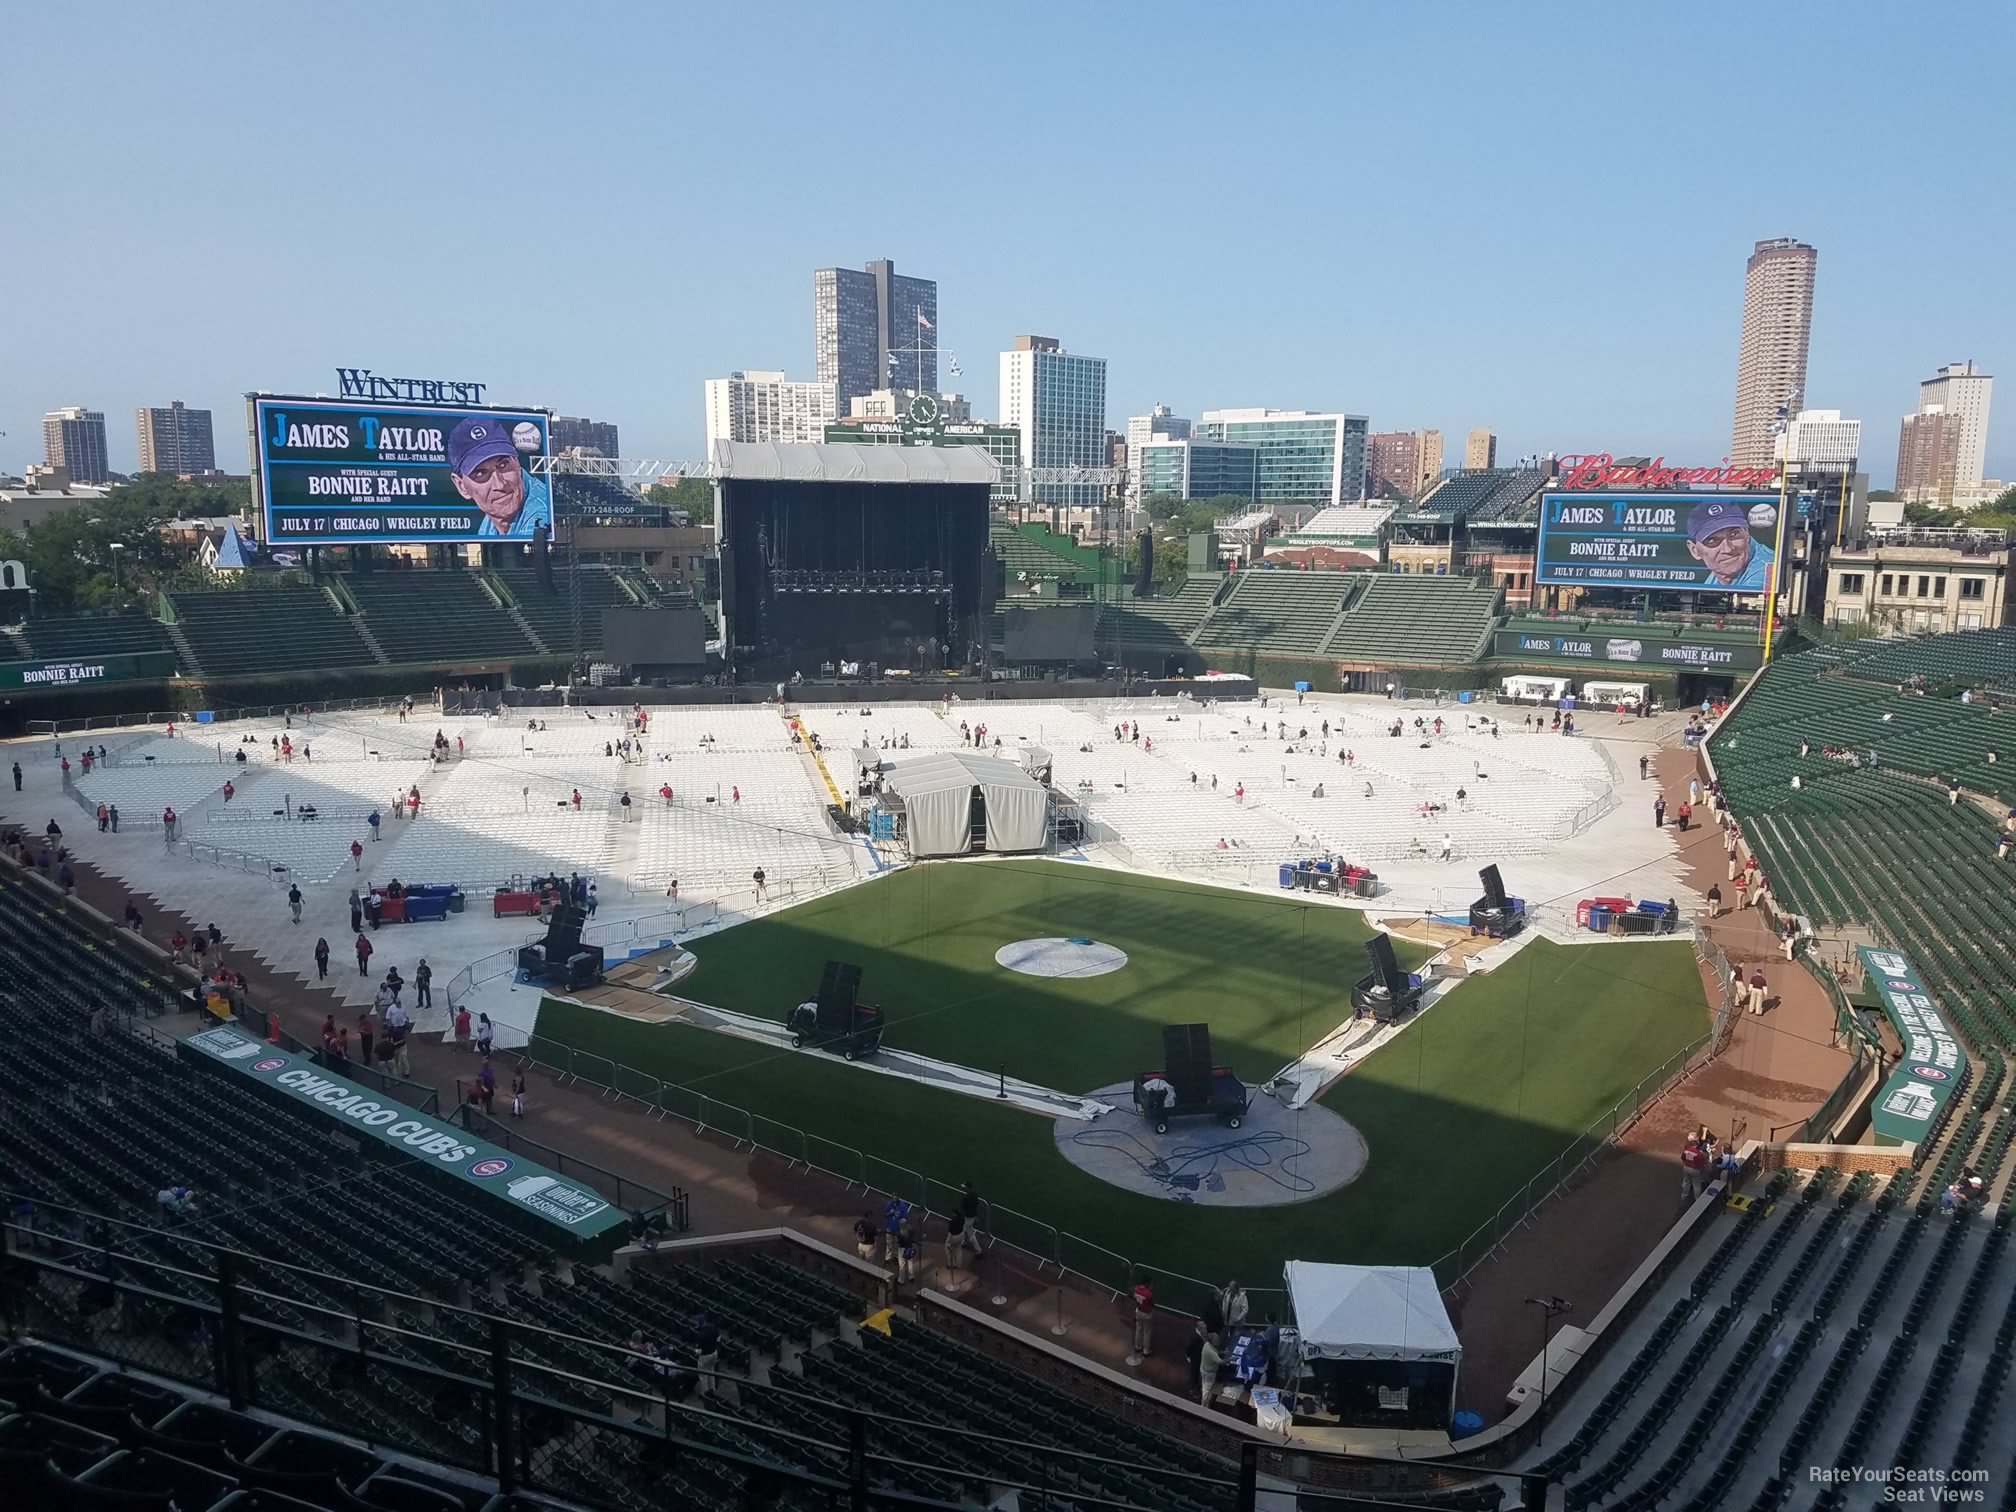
(1221, 793)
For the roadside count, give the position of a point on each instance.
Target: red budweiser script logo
(1601, 471)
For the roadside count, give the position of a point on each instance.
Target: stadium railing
(277, 873)
(1043, 1243)
(1555, 1177)
(186, 718)
(495, 1411)
(628, 1193)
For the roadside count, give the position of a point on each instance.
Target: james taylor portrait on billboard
(406, 474)
(1638, 542)
(485, 467)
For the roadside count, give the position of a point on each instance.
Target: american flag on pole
(923, 322)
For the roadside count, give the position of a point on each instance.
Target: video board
(1690, 543)
(333, 473)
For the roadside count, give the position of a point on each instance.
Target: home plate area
(1057, 957)
(1275, 1156)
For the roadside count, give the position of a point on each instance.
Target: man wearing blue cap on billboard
(1718, 537)
(483, 458)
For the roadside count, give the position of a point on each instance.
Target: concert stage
(838, 557)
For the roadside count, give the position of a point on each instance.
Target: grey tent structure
(951, 801)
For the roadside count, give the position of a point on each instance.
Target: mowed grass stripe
(1270, 976)
(1458, 1112)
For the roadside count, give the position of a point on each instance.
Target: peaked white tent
(1370, 1312)
(1381, 1331)
(938, 792)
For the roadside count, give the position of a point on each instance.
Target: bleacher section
(1982, 658)
(436, 616)
(1798, 699)
(283, 628)
(550, 612)
(1882, 847)
(1497, 494)
(1164, 624)
(1026, 555)
(88, 635)
(102, 1119)
(1834, 1325)
(1279, 613)
(589, 496)
(1409, 618)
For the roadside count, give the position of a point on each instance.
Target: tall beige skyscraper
(1777, 323)
(175, 440)
(1480, 450)
(1962, 391)
(1430, 461)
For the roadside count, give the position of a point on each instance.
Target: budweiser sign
(1601, 471)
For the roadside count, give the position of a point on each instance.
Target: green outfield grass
(1269, 975)
(1458, 1112)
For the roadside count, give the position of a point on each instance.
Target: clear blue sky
(1532, 217)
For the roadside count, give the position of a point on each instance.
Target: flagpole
(1771, 592)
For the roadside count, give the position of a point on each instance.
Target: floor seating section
(284, 628)
(550, 612)
(102, 1118)
(1404, 618)
(85, 635)
(1271, 613)
(436, 616)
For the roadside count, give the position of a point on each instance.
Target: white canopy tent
(1383, 1326)
(938, 792)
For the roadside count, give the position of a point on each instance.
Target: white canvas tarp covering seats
(1370, 1312)
(938, 792)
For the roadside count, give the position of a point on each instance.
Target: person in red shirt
(577, 800)
(1144, 1315)
(461, 1028)
(1693, 1162)
(357, 855)
(228, 791)
(363, 955)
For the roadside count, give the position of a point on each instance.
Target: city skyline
(625, 317)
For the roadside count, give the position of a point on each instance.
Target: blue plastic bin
(1599, 920)
(1287, 874)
